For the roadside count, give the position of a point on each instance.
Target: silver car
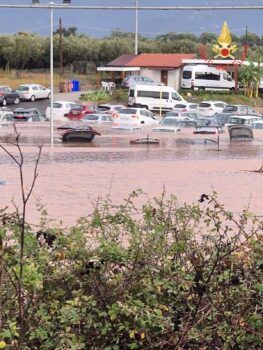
(140, 80)
(32, 92)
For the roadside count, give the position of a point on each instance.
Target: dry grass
(15, 78)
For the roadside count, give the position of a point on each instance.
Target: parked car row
(21, 115)
(25, 92)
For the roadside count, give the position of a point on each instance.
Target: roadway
(43, 103)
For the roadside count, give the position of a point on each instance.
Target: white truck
(203, 77)
(153, 97)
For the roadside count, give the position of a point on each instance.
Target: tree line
(29, 51)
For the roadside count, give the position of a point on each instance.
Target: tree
(251, 75)
(67, 31)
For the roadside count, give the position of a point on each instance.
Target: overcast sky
(151, 23)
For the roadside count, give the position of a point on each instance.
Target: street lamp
(136, 28)
(51, 4)
(51, 76)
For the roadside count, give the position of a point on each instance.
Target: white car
(113, 110)
(135, 116)
(209, 108)
(246, 120)
(168, 124)
(6, 115)
(257, 124)
(32, 92)
(185, 107)
(98, 118)
(60, 110)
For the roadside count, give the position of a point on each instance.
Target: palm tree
(251, 76)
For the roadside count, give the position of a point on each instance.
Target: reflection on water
(71, 175)
(114, 146)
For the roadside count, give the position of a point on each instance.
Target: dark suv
(7, 95)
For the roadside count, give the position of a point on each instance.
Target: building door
(164, 76)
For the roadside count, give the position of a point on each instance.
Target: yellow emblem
(225, 47)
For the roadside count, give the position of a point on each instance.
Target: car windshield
(179, 106)
(205, 104)
(128, 111)
(57, 105)
(103, 108)
(91, 117)
(4, 88)
(22, 113)
(171, 114)
(236, 121)
(23, 88)
(168, 122)
(78, 108)
(230, 109)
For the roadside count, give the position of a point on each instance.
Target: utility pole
(136, 28)
(61, 50)
(246, 46)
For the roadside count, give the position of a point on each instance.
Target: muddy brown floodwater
(73, 176)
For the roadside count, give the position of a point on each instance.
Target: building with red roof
(162, 67)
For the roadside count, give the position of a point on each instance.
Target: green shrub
(98, 96)
(174, 277)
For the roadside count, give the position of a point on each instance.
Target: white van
(203, 77)
(153, 97)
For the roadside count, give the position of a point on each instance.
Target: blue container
(75, 85)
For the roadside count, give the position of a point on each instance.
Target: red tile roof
(121, 61)
(159, 60)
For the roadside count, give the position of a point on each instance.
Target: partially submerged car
(98, 118)
(77, 133)
(168, 124)
(135, 116)
(28, 115)
(60, 110)
(240, 133)
(77, 112)
(6, 115)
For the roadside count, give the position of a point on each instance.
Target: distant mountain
(151, 23)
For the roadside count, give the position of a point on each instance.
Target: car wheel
(146, 107)
(32, 99)
(4, 103)
(49, 96)
(16, 101)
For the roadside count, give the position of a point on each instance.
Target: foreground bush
(165, 276)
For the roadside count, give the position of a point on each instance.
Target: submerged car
(209, 108)
(77, 112)
(257, 124)
(6, 115)
(60, 110)
(77, 133)
(98, 118)
(242, 120)
(168, 124)
(113, 110)
(241, 110)
(28, 115)
(185, 107)
(136, 116)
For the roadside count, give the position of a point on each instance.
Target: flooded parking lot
(72, 176)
